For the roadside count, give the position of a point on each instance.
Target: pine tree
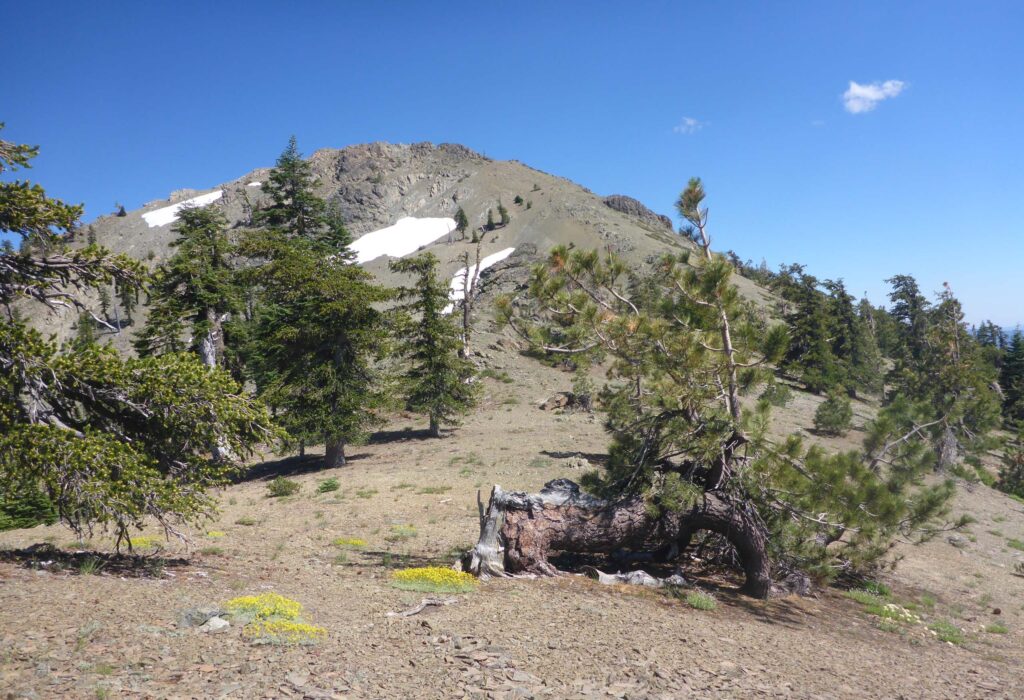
(503, 215)
(680, 346)
(193, 294)
(438, 381)
(109, 441)
(490, 220)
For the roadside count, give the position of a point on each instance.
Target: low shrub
(834, 416)
(946, 631)
(698, 600)
(283, 632)
(353, 542)
(328, 485)
(434, 579)
(281, 487)
(777, 395)
(401, 533)
(216, 534)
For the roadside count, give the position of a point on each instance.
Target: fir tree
(193, 294)
(809, 357)
(490, 220)
(438, 381)
(461, 223)
(314, 330)
(503, 215)
(1011, 379)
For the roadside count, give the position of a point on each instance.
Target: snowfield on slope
(167, 215)
(457, 292)
(406, 236)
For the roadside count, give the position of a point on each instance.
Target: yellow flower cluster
(145, 542)
(274, 619)
(435, 579)
(214, 534)
(349, 542)
(264, 606)
(284, 632)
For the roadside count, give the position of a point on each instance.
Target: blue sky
(132, 100)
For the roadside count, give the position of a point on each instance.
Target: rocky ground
(123, 632)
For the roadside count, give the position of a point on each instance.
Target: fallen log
(519, 531)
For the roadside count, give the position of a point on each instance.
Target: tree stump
(519, 531)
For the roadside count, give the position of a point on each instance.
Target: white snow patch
(167, 215)
(457, 291)
(254, 183)
(404, 237)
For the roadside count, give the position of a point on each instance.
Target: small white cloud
(688, 125)
(864, 98)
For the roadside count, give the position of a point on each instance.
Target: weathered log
(519, 531)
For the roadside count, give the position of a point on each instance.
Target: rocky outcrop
(632, 207)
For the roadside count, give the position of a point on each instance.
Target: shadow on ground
(288, 466)
(47, 557)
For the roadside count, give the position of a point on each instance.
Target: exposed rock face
(375, 185)
(633, 207)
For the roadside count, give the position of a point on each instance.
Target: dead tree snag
(519, 531)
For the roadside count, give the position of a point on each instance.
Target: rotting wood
(519, 531)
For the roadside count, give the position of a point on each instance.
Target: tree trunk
(519, 531)
(335, 454)
(435, 426)
(211, 347)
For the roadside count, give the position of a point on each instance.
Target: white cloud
(689, 125)
(864, 98)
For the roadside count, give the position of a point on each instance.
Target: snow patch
(457, 292)
(167, 215)
(254, 183)
(406, 236)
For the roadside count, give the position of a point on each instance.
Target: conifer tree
(461, 223)
(314, 330)
(809, 357)
(503, 215)
(109, 441)
(438, 381)
(1011, 379)
(681, 346)
(852, 343)
(193, 294)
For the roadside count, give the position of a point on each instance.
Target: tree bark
(435, 426)
(519, 531)
(335, 454)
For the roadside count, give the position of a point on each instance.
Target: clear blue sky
(132, 100)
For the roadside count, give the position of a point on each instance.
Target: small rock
(214, 624)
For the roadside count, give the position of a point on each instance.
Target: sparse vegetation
(328, 485)
(281, 487)
(834, 415)
(434, 579)
(698, 600)
(946, 631)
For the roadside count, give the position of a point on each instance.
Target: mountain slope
(377, 185)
